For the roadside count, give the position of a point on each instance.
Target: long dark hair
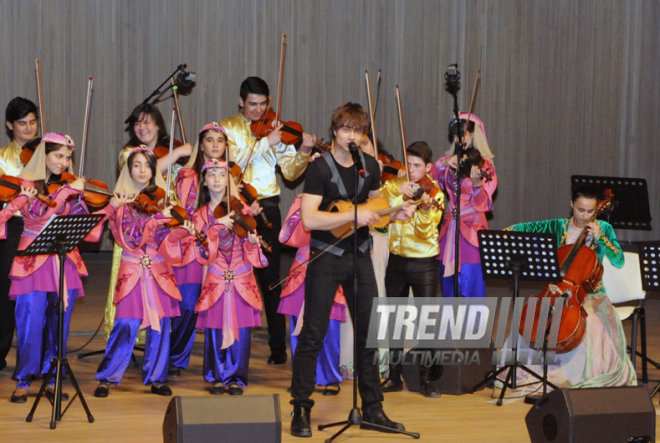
(151, 161)
(204, 194)
(199, 160)
(156, 116)
(40, 185)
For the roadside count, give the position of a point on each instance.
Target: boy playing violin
(413, 251)
(259, 160)
(22, 122)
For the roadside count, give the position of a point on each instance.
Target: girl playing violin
(476, 200)
(230, 303)
(211, 144)
(35, 282)
(146, 295)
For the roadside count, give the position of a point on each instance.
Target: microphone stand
(453, 85)
(182, 67)
(354, 417)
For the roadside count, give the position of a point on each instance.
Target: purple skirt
(246, 315)
(45, 279)
(131, 305)
(193, 272)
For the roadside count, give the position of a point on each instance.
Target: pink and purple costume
(293, 299)
(475, 202)
(230, 303)
(188, 275)
(35, 282)
(146, 294)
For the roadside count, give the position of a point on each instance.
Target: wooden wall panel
(568, 87)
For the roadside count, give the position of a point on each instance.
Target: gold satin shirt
(10, 162)
(260, 173)
(417, 237)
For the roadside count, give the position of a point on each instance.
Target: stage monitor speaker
(604, 415)
(453, 377)
(226, 419)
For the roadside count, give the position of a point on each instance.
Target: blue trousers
(470, 281)
(183, 327)
(327, 364)
(228, 366)
(120, 348)
(36, 329)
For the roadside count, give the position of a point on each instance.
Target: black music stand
(649, 264)
(523, 256)
(61, 236)
(631, 195)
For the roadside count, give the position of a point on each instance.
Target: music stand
(60, 236)
(649, 264)
(631, 195)
(521, 255)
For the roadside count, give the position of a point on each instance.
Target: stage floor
(132, 414)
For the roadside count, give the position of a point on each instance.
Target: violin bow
(474, 95)
(182, 128)
(372, 112)
(169, 167)
(377, 91)
(403, 133)
(83, 149)
(42, 123)
(279, 87)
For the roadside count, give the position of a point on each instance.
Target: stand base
(57, 365)
(355, 418)
(509, 382)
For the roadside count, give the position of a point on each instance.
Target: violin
(161, 151)
(292, 132)
(10, 188)
(428, 187)
(377, 205)
(180, 215)
(243, 224)
(472, 157)
(28, 150)
(151, 200)
(96, 193)
(581, 271)
(391, 167)
(247, 192)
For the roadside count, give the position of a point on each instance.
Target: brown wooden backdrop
(568, 86)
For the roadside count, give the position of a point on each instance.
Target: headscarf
(125, 181)
(479, 140)
(213, 126)
(36, 169)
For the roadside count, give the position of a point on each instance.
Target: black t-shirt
(318, 181)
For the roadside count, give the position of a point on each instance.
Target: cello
(581, 271)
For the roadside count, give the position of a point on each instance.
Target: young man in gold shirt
(413, 251)
(259, 166)
(21, 121)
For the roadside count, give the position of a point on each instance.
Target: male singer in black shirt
(330, 178)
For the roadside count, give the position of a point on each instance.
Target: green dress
(601, 359)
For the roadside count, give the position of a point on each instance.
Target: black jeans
(324, 275)
(403, 273)
(8, 249)
(271, 274)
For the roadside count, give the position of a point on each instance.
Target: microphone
(185, 79)
(352, 147)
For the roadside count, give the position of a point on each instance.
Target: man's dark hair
(586, 192)
(17, 109)
(254, 85)
(422, 150)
